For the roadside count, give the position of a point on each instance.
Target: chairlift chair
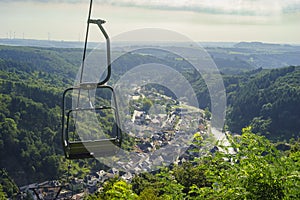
(80, 148)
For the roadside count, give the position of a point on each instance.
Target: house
(127, 176)
(113, 171)
(145, 147)
(138, 117)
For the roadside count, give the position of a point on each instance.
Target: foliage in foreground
(256, 171)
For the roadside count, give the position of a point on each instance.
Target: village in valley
(164, 130)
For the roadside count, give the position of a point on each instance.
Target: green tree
(207, 114)
(8, 186)
(149, 194)
(3, 195)
(147, 104)
(256, 171)
(189, 175)
(121, 190)
(260, 125)
(9, 131)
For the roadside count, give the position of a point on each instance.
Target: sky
(273, 21)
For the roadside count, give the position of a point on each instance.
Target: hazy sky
(276, 21)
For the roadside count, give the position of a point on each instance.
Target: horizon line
(74, 41)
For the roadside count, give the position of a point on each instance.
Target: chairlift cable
(86, 40)
(84, 56)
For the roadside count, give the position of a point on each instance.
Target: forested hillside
(31, 84)
(267, 100)
(32, 80)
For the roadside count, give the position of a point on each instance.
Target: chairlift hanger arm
(99, 22)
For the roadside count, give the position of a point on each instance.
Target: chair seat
(91, 149)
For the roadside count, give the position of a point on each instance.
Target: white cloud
(204, 20)
(232, 7)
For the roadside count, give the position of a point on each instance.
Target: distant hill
(45, 43)
(258, 55)
(231, 58)
(261, 45)
(63, 62)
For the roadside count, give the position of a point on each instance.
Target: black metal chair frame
(89, 148)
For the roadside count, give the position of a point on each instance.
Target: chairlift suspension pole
(86, 41)
(84, 51)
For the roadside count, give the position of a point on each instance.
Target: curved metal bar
(99, 22)
(64, 137)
